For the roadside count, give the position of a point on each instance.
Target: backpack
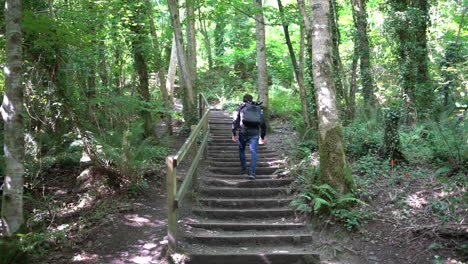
(251, 115)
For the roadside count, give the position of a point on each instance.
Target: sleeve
(236, 122)
(263, 127)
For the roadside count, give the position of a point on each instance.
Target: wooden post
(171, 185)
(201, 106)
(194, 151)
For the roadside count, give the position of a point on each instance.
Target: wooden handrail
(174, 196)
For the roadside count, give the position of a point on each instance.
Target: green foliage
(364, 136)
(11, 252)
(324, 200)
(284, 103)
(371, 166)
(130, 152)
(353, 218)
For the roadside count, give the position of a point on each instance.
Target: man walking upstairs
(249, 121)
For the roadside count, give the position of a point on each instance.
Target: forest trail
(237, 220)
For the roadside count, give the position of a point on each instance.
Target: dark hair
(248, 98)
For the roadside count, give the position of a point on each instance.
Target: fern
(318, 202)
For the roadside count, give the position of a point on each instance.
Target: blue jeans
(250, 136)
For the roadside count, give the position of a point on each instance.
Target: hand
(261, 141)
(234, 138)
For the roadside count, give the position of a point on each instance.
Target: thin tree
(298, 73)
(334, 170)
(261, 55)
(12, 108)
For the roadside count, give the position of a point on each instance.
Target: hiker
(248, 120)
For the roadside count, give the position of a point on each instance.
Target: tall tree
(363, 49)
(261, 55)
(409, 20)
(141, 67)
(12, 110)
(190, 103)
(334, 170)
(191, 42)
(336, 58)
(298, 73)
(160, 70)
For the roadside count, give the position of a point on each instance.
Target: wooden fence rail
(174, 195)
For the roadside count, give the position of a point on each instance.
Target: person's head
(248, 98)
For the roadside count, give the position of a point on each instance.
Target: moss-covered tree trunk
(12, 108)
(409, 20)
(362, 43)
(141, 68)
(334, 170)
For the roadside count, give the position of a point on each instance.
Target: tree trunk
(337, 65)
(206, 38)
(141, 69)
(189, 97)
(334, 170)
(413, 55)
(191, 42)
(160, 68)
(309, 78)
(12, 108)
(362, 42)
(171, 72)
(351, 98)
(297, 71)
(261, 55)
(219, 32)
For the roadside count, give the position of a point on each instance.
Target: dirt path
(135, 235)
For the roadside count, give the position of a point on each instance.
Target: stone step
(236, 226)
(235, 155)
(252, 255)
(249, 238)
(252, 213)
(244, 203)
(236, 159)
(237, 163)
(238, 177)
(237, 170)
(235, 148)
(242, 192)
(246, 183)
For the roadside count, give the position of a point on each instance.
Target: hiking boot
(244, 173)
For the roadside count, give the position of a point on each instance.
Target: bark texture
(189, 92)
(334, 170)
(410, 21)
(261, 55)
(12, 108)
(171, 72)
(362, 42)
(141, 68)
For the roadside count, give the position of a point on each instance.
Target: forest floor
(399, 229)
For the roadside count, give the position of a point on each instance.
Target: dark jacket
(236, 124)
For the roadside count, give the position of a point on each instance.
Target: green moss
(334, 169)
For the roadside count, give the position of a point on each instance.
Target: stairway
(242, 221)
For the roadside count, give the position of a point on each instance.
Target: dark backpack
(251, 115)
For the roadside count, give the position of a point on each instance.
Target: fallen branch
(451, 230)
